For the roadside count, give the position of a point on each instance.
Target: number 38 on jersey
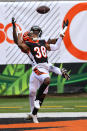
(40, 52)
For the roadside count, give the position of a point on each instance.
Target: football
(43, 9)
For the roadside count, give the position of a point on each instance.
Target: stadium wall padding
(14, 79)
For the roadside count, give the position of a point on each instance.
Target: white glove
(62, 33)
(65, 25)
(65, 74)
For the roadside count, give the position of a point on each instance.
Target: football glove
(13, 22)
(65, 74)
(65, 23)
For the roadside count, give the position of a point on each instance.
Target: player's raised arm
(57, 42)
(52, 41)
(18, 38)
(14, 31)
(21, 43)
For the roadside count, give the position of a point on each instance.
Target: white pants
(36, 79)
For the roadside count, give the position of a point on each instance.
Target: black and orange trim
(38, 72)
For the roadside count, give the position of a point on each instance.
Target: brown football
(43, 9)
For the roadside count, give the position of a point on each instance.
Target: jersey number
(41, 51)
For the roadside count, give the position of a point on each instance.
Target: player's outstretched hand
(65, 23)
(13, 22)
(65, 74)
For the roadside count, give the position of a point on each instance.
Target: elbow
(19, 45)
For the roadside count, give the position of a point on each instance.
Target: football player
(37, 51)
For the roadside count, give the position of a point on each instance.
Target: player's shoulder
(26, 36)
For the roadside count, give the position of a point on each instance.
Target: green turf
(63, 104)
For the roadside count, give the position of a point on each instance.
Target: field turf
(51, 104)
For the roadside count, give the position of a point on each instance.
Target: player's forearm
(62, 34)
(55, 69)
(52, 41)
(56, 46)
(20, 42)
(15, 38)
(22, 45)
